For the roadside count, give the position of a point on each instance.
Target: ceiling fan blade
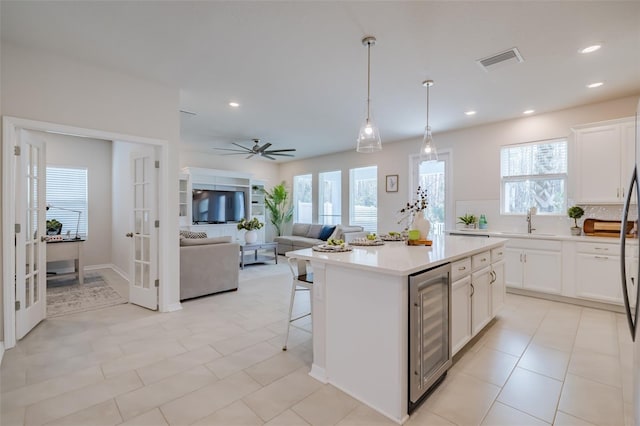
(267, 156)
(283, 155)
(243, 147)
(229, 149)
(249, 156)
(264, 147)
(272, 151)
(235, 153)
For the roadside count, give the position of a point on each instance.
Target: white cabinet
(598, 272)
(497, 287)
(461, 313)
(534, 265)
(477, 293)
(184, 200)
(480, 299)
(605, 154)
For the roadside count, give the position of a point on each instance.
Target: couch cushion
(314, 231)
(191, 234)
(326, 232)
(338, 233)
(203, 241)
(300, 229)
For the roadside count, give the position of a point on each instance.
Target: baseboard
(173, 307)
(318, 373)
(120, 272)
(565, 299)
(94, 267)
(1, 351)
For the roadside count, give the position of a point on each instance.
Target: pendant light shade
(428, 151)
(369, 136)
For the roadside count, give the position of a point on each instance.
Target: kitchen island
(361, 314)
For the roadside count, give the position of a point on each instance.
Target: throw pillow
(191, 234)
(203, 241)
(314, 231)
(340, 230)
(337, 233)
(326, 232)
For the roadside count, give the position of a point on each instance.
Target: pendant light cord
(368, 77)
(428, 105)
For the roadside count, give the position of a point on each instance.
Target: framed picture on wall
(392, 183)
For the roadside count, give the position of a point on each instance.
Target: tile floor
(219, 362)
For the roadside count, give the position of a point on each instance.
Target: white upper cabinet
(605, 154)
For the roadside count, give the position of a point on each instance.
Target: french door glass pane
(432, 178)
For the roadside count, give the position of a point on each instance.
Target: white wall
(46, 87)
(95, 156)
(475, 158)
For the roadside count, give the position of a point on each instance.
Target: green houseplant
(575, 213)
(250, 225)
(279, 206)
(468, 220)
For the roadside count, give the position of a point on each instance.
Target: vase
(251, 237)
(422, 224)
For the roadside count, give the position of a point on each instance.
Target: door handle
(44, 239)
(129, 234)
(632, 317)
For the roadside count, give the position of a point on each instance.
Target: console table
(256, 258)
(67, 250)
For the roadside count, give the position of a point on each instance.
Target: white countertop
(538, 236)
(397, 258)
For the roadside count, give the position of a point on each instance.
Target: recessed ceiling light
(590, 49)
(234, 104)
(529, 111)
(594, 85)
(470, 112)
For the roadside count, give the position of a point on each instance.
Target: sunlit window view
(329, 197)
(363, 198)
(534, 175)
(302, 199)
(431, 176)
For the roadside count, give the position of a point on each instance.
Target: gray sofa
(208, 266)
(305, 235)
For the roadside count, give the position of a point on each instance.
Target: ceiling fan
(256, 149)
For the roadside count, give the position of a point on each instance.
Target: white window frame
(337, 215)
(522, 178)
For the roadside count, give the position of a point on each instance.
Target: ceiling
(298, 69)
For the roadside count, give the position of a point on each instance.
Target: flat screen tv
(215, 206)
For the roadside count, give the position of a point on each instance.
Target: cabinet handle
(473, 290)
(617, 192)
(602, 248)
(633, 281)
(601, 257)
(462, 268)
(499, 253)
(520, 257)
(525, 258)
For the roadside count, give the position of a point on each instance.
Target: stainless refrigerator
(630, 268)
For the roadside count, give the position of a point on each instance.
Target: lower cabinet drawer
(480, 260)
(460, 268)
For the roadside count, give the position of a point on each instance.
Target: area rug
(66, 297)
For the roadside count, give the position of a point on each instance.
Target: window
(302, 201)
(363, 198)
(432, 177)
(67, 198)
(330, 198)
(534, 175)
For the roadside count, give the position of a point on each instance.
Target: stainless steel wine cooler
(429, 331)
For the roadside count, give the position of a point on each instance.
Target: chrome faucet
(530, 213)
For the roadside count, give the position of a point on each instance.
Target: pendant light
(369, 136)
(428, 151)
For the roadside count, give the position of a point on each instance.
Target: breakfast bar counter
(360, 315)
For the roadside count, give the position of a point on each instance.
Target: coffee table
(257, 258)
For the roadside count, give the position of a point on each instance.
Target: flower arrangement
(419, 205)
(250, 225)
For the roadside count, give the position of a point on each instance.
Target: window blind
(66, 196)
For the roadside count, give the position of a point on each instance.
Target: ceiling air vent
(502, 58)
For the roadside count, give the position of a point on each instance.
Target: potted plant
(575, 213)
(414, 212)
(279, 206)
(251, 236)
(53, 227)
(468, 220)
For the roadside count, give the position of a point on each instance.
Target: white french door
(31, 246)
(435, 177)
(144, 235)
